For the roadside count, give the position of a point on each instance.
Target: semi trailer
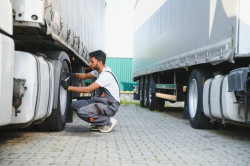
(197, 52)
(40, 42)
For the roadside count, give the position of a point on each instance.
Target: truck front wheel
(57, 120)
(195, 100)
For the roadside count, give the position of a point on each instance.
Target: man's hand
(72, 75)
(64, 84)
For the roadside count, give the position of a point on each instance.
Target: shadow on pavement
(8, 135)
(176, 112)
(230, 130)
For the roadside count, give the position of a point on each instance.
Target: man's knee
(73, 109)
(74, 106)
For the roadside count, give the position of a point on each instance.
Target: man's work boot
(94, 127)
(109, 127)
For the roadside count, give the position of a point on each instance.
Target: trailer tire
(154, 103)
(146, 93)
(57, 119)
(197, 118)
(141, 91)
(157, 103)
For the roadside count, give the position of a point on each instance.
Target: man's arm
(86, 89)
(84, 76)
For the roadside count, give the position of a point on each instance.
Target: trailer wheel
(57, 120)
(195, 100)
(151, 95)
(154, 102)
(141, 89)
(146, 94)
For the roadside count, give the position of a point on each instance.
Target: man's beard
(96, 67)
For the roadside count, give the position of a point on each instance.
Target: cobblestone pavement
(140, 138)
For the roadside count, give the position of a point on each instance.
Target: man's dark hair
(99, 55)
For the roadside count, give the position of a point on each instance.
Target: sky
(119, 28)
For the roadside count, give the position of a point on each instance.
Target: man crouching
(99, 110)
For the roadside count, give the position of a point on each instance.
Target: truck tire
(141, 89)
(154, 103)
(146, 94)
(57, 120)
(195, 100)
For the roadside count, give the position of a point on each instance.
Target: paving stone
(141, 137)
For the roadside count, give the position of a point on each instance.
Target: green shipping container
(122, 68)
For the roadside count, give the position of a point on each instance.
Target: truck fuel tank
(219, 103)
(6, 78)
(37, 99)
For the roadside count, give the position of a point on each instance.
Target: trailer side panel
(185, 33)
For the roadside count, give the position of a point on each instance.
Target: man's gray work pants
(96, 113)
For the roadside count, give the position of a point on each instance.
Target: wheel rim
(63, 95)
(193, 98)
